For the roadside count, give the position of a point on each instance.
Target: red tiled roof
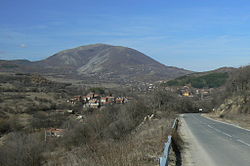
(55, 130)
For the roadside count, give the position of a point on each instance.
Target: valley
(124, 83)
(83, 102)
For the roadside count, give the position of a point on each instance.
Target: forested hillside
(212, 80)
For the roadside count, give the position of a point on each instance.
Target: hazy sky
(193, 34)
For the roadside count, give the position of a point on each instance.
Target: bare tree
(22, 150)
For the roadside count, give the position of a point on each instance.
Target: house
(107, 100)
(121, 100)
(111, 99)
(93, 103)
(186, 91)
(65, 111)
(78, 98)
(186, 94)
(104, 100)
(91, 95)
(54, 132)
(75, 99)
(70, 111)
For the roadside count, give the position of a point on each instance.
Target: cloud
(23, 45)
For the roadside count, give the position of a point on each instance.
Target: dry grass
(142, 148)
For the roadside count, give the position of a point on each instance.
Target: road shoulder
(236, 123)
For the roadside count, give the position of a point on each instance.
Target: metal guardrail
(167, 147)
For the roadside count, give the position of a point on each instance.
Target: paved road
(223, 144)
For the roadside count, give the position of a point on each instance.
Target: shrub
(98, 90)
(222, 116)
(4, 127)
(77, 134)
(22, 150)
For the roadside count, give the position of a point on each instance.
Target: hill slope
(211, 79)
(100, 61)
(233, 104)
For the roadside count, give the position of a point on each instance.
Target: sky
(198, 35)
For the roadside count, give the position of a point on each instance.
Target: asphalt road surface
(213, 143)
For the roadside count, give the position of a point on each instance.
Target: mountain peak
(103, 61)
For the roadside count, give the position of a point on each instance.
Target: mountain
(101, 61)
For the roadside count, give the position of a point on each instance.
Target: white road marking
(227, 123)
(219, 131)
(198, 119)
(243, 142)
(194, 154)
(210, 126)
(227, 134)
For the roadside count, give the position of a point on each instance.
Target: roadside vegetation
(125, 134)
(233, 102)
(106, 136)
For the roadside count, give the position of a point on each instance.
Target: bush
(4, 127)
(77, 134)
(239, 80)
(43, 120)
(15, 124)
(22, 150)
(186, 105)
(127, 119)
(98, 90)
(222, 116)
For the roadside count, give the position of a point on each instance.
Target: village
(189, 91)
(91, 101)
(94, 100)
